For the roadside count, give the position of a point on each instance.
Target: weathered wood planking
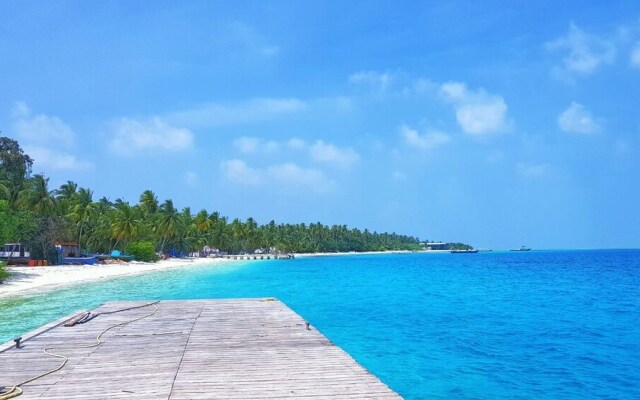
(200, 349)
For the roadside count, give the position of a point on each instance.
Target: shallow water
(557, 324)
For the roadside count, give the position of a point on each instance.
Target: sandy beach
(37, 279)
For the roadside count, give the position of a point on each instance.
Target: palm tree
(149, 202)
(125, 224)
(37, 197)
(168, 222)
(67, 191)
(80, 214)
(202, 221)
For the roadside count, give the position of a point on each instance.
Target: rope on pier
(15, 391)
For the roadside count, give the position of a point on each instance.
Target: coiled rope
(16, 390)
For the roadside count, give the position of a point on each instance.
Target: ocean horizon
(529, 325)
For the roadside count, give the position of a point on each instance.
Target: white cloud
(47, 139)
(327, 153)
(222, 114)
(237, 171)
(130, 136)
(379, 81)
(424, 141)
(41, 129)
(191, 178)
(44, 158)
(296, 143)
(533, 170)
(635, 55)
(584, 53)
(319, 151)
(577, 119)
(290, 174)
(477, 112)
(287, 175)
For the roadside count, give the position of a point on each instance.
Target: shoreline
(364, 253)
(33, 280)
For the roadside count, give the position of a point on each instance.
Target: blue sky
(492, 123)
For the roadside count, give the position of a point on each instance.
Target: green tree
(125, 224)
(168, 223)
(15, 165)
(37, 197)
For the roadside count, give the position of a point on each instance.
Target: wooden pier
(200, 349)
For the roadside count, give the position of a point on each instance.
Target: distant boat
(460, 251)
(523, 248)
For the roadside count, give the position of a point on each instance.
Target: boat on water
(522, 248)
(462, 251)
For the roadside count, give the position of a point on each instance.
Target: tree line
(37, 216)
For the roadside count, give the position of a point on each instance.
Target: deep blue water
(501, 325)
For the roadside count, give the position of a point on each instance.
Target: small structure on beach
(436, 246)
(69, 254)
(15, 253)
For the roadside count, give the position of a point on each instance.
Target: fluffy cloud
(329, 154)
(577, 119)
(130, 136)
(237, 171)
(41, 129)
(584, 53)
(424, 141)
(319, 151)
(55, 159)
(635, 55)
(47, 139)
(477, 112)
(376, 80)
(288, 175)
(292, 175)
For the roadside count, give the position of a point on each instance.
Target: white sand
(37, 279)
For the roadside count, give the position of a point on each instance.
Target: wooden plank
(200, 349)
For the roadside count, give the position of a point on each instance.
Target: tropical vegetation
(4, 274)
(38, 216)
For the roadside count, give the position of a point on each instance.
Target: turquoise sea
(500, 325)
